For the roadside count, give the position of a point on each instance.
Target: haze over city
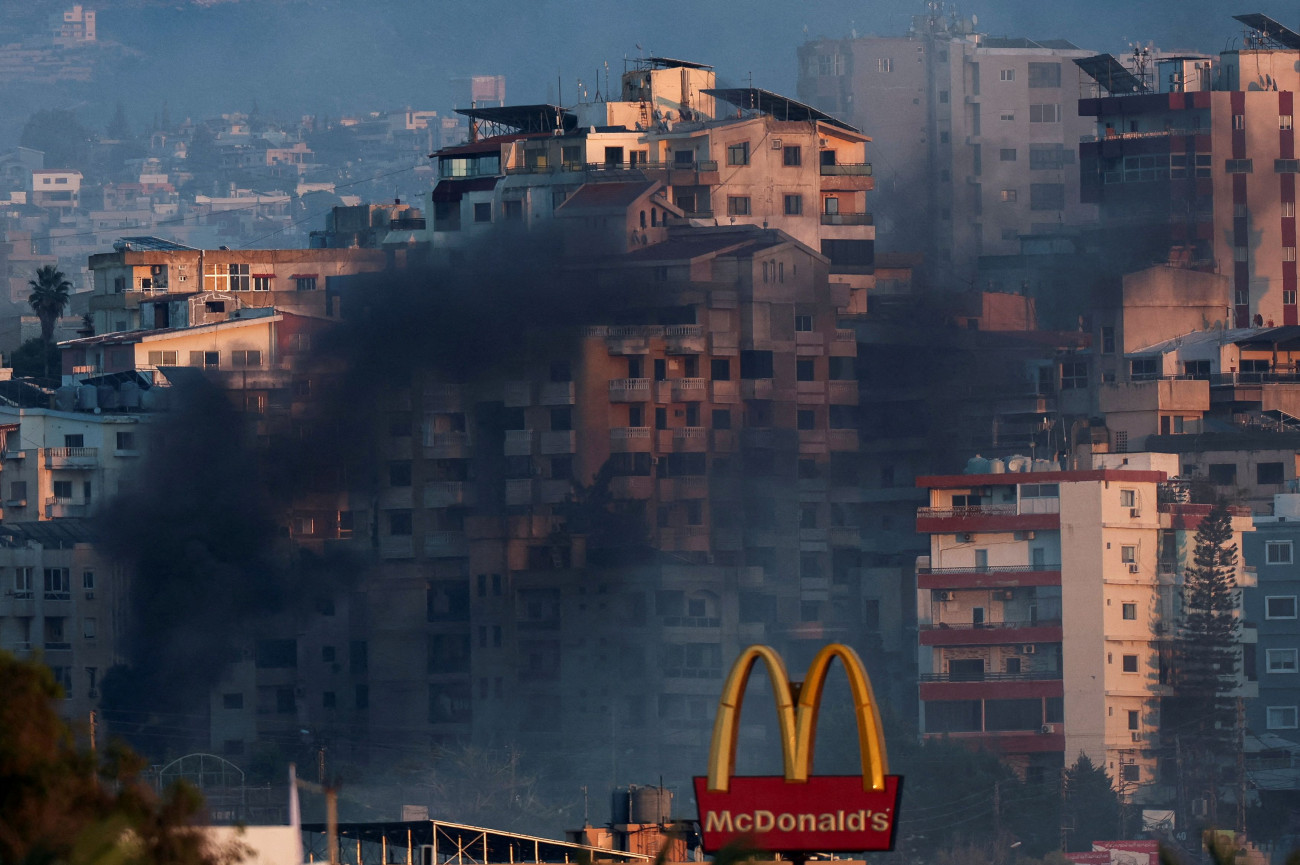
(437, 412)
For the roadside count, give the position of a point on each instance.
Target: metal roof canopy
(1270, 31)
(780, 107)
(522, 118)
(1110, 74)
(670, 63)
(149, 243)
(467, 845)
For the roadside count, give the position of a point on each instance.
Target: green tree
(119, 128)
(1091, 800)
(58, 134)
(49, 298)
(33, 358)
(59, 804)
(1200, 717)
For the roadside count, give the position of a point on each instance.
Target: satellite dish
(974, 19)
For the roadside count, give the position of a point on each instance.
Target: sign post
(798, 812)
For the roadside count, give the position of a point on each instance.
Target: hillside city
(486, 437)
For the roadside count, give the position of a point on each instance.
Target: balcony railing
(847, 219)
(989, 626)
(847, 169)
(1000, 569)
(1028, 676)
(71, 457)
(1227, 379)
(970, 511)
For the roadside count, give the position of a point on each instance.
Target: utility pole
(1241, 766)
(1064, 801)
(92, 732)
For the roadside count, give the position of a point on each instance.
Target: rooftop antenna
(598, 96)
(608, 92)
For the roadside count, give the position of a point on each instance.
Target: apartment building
(56, 189)
(62, 602)
(141, 269)
(1045, 607)
(1271, 605)
(975, 136)
(774, 162)
(1198, 166)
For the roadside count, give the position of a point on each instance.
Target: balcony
(992, 686)
(555, 393)
(690, 539)
(519, 442)
(62, 508)
(725, 391)
(842, 392)
(989, 633)
(554, 491)
(842, 440)
(626, 339)
(558, 442)
(396, 547)
(756, 388)
(684, 338)
(689, 438)
(685, 487)
(689, 389)
(444, 398)
(846, 219)
(701, 173)
(1029, 676)
(845, 343)
(999, 518)
(517, 394)
(519, 491)
(448, 494)
(1010, 576)
(631, 487)
(623, 439)
(71, 458)
(846, 169)
(446, 445)
(724, 440)
(445, 545)
(629, 390)
(844, 536)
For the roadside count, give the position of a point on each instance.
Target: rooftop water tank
(87, 398)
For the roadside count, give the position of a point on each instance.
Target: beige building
(976, 135)
(1045, 607)
(143, 269)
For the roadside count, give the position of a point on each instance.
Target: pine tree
(1091, 800)
(1200, 716)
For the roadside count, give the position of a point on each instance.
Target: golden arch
(797, 724)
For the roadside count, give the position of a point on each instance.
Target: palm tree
(49, 299)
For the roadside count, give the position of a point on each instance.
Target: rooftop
(778, 106)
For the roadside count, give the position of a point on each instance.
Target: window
(1223, 474)
(1281, 717)
(831, 205)
(246, 359)
(205, 359)
(805, 369)
(1007, 154)
(162, 358)
(1047, 196)
(1129, 663)
(1286, 166)
(1288, 296)
(232, 701)
(513, 211)
(720, 369)
(943, 97)
(1130, 611)
(721, 418)
(399, 523)
(884, 64)
(1269, 473)
(483, 211)
(1007, 195)
(88, 581)
(738, 154)
(1007, 115)
(225, 277)
(1006, 75)
(1128, 554)
(793, 205)
(792, 155)
(58, 584)
(1238, 166)
(807, 419)
(1128, 498)
(304, 283)
(1074, 375)
(1277, 552)
(1044, 75)
(1134, 723)
(1047, 112)
(74, 440)
(62, 490)
(803, 323)
(1286, 122)
(1281, 661)
(1131, 772)
(755, 364)
(1288, 252)
(1239, 121)
(262, 283)
(1280, 607)
(738, 205)
(23, 583)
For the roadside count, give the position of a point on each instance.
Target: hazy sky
(343, 56)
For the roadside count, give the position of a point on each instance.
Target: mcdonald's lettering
(797, 811)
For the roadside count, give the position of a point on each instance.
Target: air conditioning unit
(1137, 737)
(1047, 728)
(943, 596)
(1132, 567)
(1007, 594)
(90, 596)
(1200, 808)
(1028, 649)
(967, 537)
(1134, 512)
(823, 142)
(776, 144)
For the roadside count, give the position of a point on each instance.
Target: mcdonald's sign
(798, 812)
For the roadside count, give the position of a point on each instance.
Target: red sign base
(826, 812)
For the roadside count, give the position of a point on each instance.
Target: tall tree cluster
(1200, 718)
